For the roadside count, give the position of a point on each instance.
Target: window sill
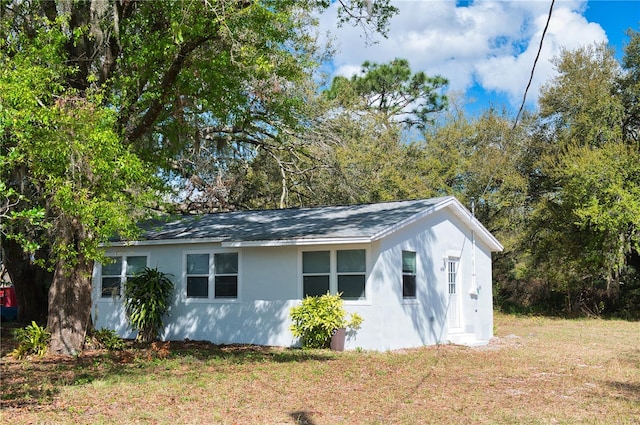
(187, 301)
(108, 299)
(357, 302)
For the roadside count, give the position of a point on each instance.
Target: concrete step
(467, 339)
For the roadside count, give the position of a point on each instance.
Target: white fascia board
(460, 211)
(414, 218)
(162, 242)
(296, 242)
(481, 232)
(489, 239)
(240, 244)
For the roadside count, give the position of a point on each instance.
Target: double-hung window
(218, 269)
(115, 272)
(198, 275)
(226, 275)
(408, 274)
(351, 270)
(340, 271)
(316, 271)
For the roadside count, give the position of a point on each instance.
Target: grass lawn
(536, 371)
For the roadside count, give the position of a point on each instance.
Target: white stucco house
(418, 272)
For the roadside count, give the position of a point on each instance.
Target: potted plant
(322, 322)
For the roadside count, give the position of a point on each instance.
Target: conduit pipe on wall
(474, 282)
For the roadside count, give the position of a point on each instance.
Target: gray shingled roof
(332, 222)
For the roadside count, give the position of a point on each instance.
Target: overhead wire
(535, 62)
(524, 97)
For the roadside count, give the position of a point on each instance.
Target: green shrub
(147, 297)
(109, 339)
(315, 320)
(32, 339)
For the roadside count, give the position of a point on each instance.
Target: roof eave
(297, 242)
(401, 224)
(172, 241)
(460, 211)
(449, 202)
(481, 232)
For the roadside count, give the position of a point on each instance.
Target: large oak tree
(123, 90)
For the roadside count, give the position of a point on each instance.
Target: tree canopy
(102, 100)
(394, 91)
(582, 235)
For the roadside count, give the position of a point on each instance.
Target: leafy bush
(316, 319)
(109, 339)
(32, 339)
(147, 297)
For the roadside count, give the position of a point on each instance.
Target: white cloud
(489, 43)
(510, 73)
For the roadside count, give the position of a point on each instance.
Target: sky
(485, 48)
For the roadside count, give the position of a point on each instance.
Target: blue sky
(485, 48)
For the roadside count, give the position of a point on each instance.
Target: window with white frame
(452, 272)
(340, 271)
(116, 271)
(409, 268)
(198, 275)
(226, 275)
(316, 271)
(219, 268)
(351, 271)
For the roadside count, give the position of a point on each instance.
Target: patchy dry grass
(536, 371)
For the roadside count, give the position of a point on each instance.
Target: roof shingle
(330, 222)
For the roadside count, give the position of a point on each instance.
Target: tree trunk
(70, 306)
(30, 282)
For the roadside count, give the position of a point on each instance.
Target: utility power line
(524, 97)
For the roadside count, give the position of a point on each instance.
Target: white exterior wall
(267, 288)
(270, 283)
(391, 322)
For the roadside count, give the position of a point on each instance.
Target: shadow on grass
(629, 391)
(36, 381)
(630, 357)
(301, 418)
(244, 353)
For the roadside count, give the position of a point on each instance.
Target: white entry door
(453, 312)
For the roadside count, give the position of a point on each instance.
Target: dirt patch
(498, 343)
